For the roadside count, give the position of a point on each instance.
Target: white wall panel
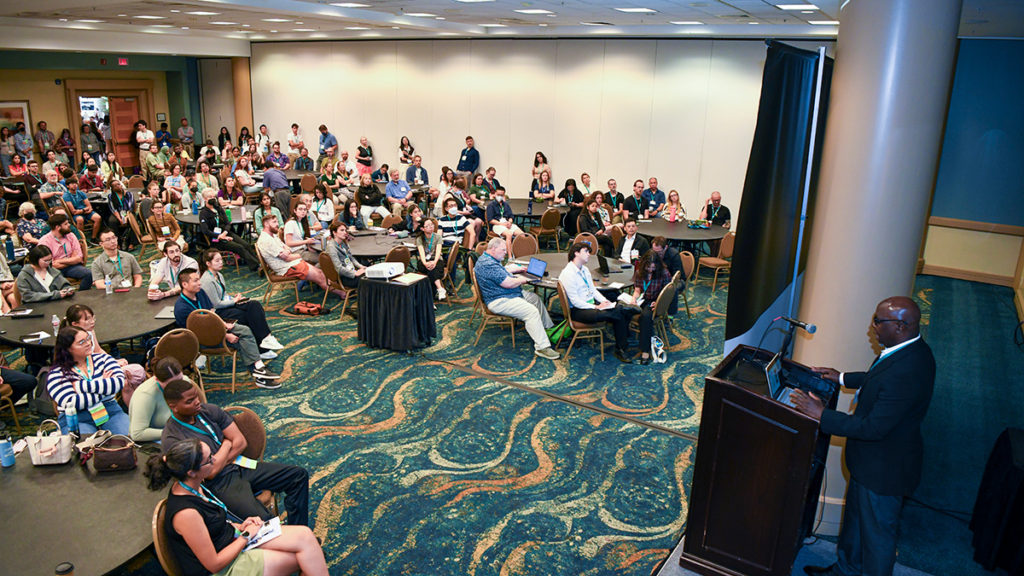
(682, 110)
(218, 97)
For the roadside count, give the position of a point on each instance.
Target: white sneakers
(441, 293)
(548, 353)
(268, 355)
(271, 343)
(201, 362)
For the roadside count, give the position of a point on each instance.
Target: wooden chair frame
(217, 343)
(580, 330)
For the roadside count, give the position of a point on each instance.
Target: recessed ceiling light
(184, 27)
(420, 14)
(439, 18)
(356, 28)
(203, 13)
(303, 30)
(753, 23)
(273, 31)
(121, 15)
(224, 23)
(318, 35)
(492, 25)
(244, 32)
(300, 23)
(175, 11)
(542, 25)
(687, 23)
(162, 25)
(796, 6)
(396, 27)
(147, 17)
(807, 11)
(63, 19)
(637, 10)
(90, 21)
(596, 23)
(276, 20)
(824, 22)
(534, 11)
(246, 26)
(349, 5)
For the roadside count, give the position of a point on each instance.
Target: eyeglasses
(84, 342)
(876, 320)
(208, 461)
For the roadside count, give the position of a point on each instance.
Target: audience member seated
(214, 226)
(204, 531)
(280, 258)
(33, 180)
(430, 260)
(602, 209)
(52, 192)
(87, 380)
(351, 216)
(235, 307)
(416, 173)
(30, 229)
(81, 210)
(148, 412)
(122, 203)
(111, 169)
(6, 285)
(167, 270)
(379, 175)
(572, 197)
(239, 337)
(82, 316)
(118, 267)
(632, 246)
(17, 168)
(300, 237)
(412, 221)
(587, 304)
(649, 277)
(304, 162)
(349, 269)
(398, 193)
(52, 163)
(322, 207)
(231, 194)
(155, 165)
(346, 169)
(674, 210)
(370, 200)
(279, 159)
(174, 185)
(206, 179)
(543, 189)
(654, 200)
(68, 257)
(715, 212)
(590, 222)
(502, 293)
(266, 207)
(21, 384)
(490, 181)
(38, 281)
(243, 177)
(499, 217)
(454, 225)
(91, 181)
(635, 205)
(670, 256)
(165, 227)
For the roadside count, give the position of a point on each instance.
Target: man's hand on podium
(807, 403)
(830, 374)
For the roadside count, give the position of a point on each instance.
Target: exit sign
(122, 61)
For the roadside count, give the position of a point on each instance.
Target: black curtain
(766, 238)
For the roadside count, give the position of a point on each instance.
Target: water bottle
(65, 569)
(529, 206)
(6, 452)
(55, 321)
(110, 286)
(9, 246)
(71, 417)
(228, 213)
(195, 205)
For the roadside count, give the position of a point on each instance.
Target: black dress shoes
(821, 570)
(621, 355)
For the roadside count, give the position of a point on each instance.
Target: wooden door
(124, 113)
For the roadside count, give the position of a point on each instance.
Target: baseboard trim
(969, 275)
(976, 226)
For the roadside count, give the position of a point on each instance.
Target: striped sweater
(66, 386)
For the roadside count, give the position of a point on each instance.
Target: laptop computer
(602, 264)
(773, 372)
(535, 269)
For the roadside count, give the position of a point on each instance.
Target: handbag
(49, 450)
(657, 350)
(114, 453)
(308, 309)
(559, 332)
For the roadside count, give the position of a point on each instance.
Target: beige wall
(989, 255)
(46, 98)
(218, 97)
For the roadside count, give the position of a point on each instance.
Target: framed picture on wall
(161, 117)
(14, 111)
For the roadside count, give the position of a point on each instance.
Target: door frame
(141, 89)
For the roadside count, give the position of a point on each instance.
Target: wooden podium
(758, 470)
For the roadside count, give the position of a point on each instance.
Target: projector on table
(385, 270)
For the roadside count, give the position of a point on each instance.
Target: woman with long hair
(235, 306)
(266, 207)
(543, 189)
(573, 198)
(17, 167)
(371, 200)
(298, 234)
(649, 278)
(111, 169)
(243, 137)
(87, 380)
(231, 194)
(6, 149)
(82, 316)
(223, 138)
(407, 150)
(204, 536)
(322, 206)
(428, 249)
(66, 147)
(540, 164)
(39, 281)
(351, 217)
(674, 210)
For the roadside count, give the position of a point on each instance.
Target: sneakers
(201, 362)
(548, 353)
(271, 343)
(264, 374)
(266, 384)
(265, 379)
(441, 293)
(268, 355)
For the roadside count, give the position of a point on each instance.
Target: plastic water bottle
(55, 321)
(195, 205)
(529, 206)
(6, 452)
(110, 286)
(9, 246)
(71, 417)
(228, 212)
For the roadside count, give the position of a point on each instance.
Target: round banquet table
(557, 261)
(376, 246)
(119, 316)
(291, 174)
(67, 513)
(190, 219)
(679, 231)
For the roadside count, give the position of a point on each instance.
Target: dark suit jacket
(884, 447)
(640, 244)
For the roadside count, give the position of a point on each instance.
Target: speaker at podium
(758, 469)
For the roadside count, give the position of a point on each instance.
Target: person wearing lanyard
(67, 250)
(428, 249)
(714, 211)
(587, 304)
(649, 277)
(243, 310)
(166, 271)
(206, 535)
(499, 217)
(617, 202)
(121, 267)
(234, 479)
(88, 381)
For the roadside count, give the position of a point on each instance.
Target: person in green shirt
(148, 411)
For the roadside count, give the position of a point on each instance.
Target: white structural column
(889, 97)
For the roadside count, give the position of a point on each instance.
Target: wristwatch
(244, 534)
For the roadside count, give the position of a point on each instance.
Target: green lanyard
(194, 306)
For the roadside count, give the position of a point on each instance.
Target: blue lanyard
(207, 496)
(174, 276)
(646, 284)
(208, 432)
(715, 213)
(194, 306)
(430, 246)
(120, 272)
(586, 282)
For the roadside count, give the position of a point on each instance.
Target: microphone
(810, 328)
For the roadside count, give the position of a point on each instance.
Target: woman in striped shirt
(88, 380)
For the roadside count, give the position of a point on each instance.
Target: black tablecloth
(395, 316)
(998, 520)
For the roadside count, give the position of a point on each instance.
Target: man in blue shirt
(501, 292)
(500, 217)
(654, 199)
(469, 160)
(81, 210)
(238, 337)
(416, 173)
(328, 144)
(304, 162)
(398, 194)
(280, 160)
